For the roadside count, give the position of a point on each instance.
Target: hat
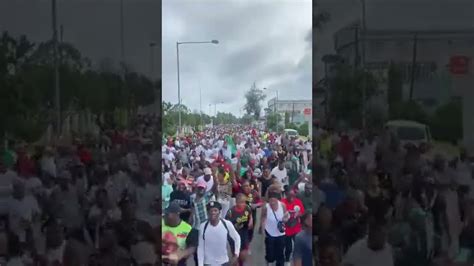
(201, 183)
(214, 204)
(207, 171)
(257, 172)
(173, 208)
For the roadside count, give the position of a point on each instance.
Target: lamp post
(177, 65)
(56, 66)
(274, 105)
(152, 59)
(215, 108)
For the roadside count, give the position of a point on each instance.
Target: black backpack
(229, 239)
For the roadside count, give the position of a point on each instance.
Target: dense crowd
(93, 201)
(383, 201)
(224, 185)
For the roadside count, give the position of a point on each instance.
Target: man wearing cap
(186, 235)
(182, 196)
(208, 178)
(200, 199)
(213, 238)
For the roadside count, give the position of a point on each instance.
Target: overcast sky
(392, 14)
(92, 26)
(266, 41)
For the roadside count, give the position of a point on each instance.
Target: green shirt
(181, 232)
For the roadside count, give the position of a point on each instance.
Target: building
(294, 108)
(434, 82)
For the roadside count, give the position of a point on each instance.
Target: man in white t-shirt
(23, 210)
(372, 250)
(208, 179)
(280, 173)
(214, 236)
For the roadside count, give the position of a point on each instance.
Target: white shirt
(360, 255)
(19, 210)
(48, 165)
(209, 183)
(271, 224)
(213, 250)
(281, 175)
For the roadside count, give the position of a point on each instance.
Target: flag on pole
(230, 144)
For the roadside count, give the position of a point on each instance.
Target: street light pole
(276, 100)
(122, 45)
(177, 65)
(364, 86)
(152, 60)
(56, 67)
(179, 89)
(200, 104)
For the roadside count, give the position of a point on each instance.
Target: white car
(410, 132)
(291, 133)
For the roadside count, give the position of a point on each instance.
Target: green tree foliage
(347, 93)
(273, 119)
(253, 97)
(446, 122)
(27, 85)
(303, 129)
(411, 110)
(287, 119)
(226, 118)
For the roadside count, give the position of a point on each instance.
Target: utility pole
(364, 80)
(413, 65)
(56, 67)
(200, 103)
(293, 113)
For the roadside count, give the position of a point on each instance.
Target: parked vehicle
(411, 132)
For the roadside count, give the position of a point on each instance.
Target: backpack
(229, 239)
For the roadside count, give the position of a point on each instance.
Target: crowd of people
(383, 201)
(225, 186)
(84, 202)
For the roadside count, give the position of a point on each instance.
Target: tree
(287, 119)
(412, 110)
(395, 94)
(254, 96)
(446, 122)
(303, 129)
(347, 93)
(27, 85)
(273, 119)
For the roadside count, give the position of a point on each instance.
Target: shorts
(244, 240)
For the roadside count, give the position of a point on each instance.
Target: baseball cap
(214, 204)
(173, 208)
(257, 172)
(207, 171)
(201, 183)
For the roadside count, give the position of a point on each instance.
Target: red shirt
(290, 207)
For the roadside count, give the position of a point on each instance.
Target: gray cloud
(262, 42)
(92, 26)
